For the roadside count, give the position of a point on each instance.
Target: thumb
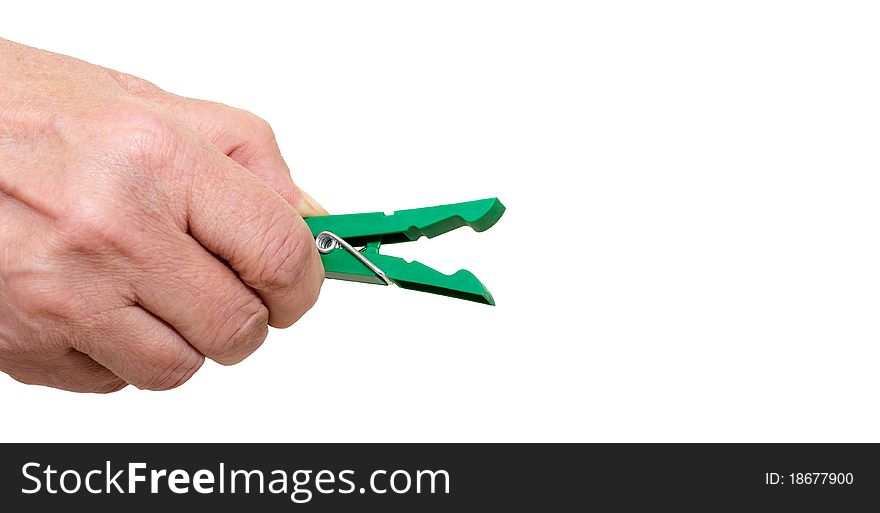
(307, 206)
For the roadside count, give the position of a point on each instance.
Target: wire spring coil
(327, 242)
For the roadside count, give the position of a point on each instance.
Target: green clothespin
(337, 237)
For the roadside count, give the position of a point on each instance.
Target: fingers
(66, 369)
(246, 139)
(210, 307)
(139, 348)
(249, 141)
(242, 136)
(235, 216)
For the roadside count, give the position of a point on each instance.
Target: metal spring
(326, 242)
(329, 241)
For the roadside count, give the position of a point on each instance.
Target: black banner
(437, 477)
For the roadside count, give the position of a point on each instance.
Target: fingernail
(310, 207)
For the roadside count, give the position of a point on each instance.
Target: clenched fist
(140, 232)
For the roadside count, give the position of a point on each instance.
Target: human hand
(140, 232)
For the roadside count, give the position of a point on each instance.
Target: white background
(690, 251)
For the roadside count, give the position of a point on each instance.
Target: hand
(140, 232)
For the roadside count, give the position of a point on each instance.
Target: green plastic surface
(376, 228)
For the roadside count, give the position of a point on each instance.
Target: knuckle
(135, 85)
(44, 296)
(262, 130)
(91, 225)
(310, 285)
(144, 134)
(313, 286)
(245, 334)
(173, 372)
(138, 117)
(302, 286)
(256, 145)
(25, 378)
(109, 387)
(282, 263)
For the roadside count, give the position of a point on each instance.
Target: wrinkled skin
(140, 232)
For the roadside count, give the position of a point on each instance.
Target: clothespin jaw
(337, 236)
